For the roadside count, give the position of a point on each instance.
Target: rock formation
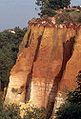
(47, 64)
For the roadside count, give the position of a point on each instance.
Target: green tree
(13, 112)
(48, 7)
(10, 112)
(72, 107)
(35, 113)
(9, 44)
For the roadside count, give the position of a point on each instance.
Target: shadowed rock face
(47, 64)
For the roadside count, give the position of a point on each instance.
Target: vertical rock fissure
(28, 86)
(27, 44)
(67, 53)
(29, 78)
(37, 49)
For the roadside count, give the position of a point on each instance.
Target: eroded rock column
(47, 64)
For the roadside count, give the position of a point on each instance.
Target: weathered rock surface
(47, 64)
(73, 66)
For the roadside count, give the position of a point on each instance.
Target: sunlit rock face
(47, 64)
(73, 66)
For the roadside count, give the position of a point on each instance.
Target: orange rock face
(47, 64)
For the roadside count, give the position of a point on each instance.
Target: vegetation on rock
(72, 107)
(14, 112)
(68, 16)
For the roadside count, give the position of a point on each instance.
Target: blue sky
(76, 2)
(18, 12)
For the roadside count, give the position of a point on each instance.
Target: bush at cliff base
(10, 112)
(72, 108)
(35, 113)
(69, 111)
(13, 112)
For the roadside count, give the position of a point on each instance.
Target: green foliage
(75, 96)
(79, 19)
(13, 112)
(69, 111)
(72, 107)
(9, 112)
(68, 16)
(48, 7)
(63, 18)
(35, 113)
(9, 43)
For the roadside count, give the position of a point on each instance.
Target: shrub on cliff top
(71, 16)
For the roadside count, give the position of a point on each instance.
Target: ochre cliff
(47, 64)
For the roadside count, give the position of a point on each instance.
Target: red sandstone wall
(47, 64)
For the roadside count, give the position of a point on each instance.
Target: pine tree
(48, 7)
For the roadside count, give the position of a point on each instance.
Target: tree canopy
(48, 7)
(9, 43)
(71, 109)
